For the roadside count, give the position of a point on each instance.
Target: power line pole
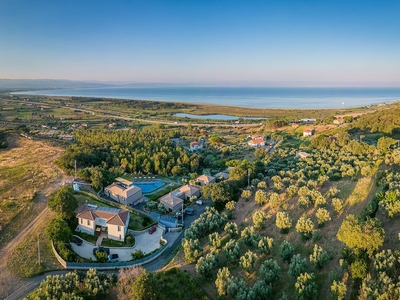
(38, 245)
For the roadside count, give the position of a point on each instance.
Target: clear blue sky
(290, 43)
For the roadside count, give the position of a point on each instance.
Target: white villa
(114, 221)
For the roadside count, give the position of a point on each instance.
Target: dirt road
(9, 282)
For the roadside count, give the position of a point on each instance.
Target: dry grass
(25, 168)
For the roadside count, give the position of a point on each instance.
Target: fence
(110, 266)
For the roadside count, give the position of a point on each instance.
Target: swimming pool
(149, 186)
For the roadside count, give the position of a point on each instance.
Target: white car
(199, 202)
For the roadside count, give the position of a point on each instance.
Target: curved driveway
(144, 241)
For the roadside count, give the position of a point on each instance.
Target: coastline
(249, 98)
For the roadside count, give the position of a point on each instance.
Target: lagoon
(214, 117)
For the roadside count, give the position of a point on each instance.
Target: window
(88, 222)
(81, 221)
(119, 228)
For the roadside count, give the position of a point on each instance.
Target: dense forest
(103, 155)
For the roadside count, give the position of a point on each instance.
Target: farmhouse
(124, 194)
(204, 179)
(308, 132)
(195, 145)
(257, 143)
(114, 221)
(173, 201)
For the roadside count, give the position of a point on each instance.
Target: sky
(216, 43)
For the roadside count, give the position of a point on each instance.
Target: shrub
(101, 256)
(137, 254)
(261, 197)
(337, 204)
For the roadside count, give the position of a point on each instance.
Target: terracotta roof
(194, 143)
(113, 216)
(205, 178)
(257, 141)
(188, 189)
(86, 213)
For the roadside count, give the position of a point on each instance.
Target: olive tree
(286, 251)
(305, 227)
(248, 260)
(306, 287)
(297, 266)
(222, 281)
(259, 219)
(322, 216)
(359, 235)
(283, 222)
(261, 197)
(270, 271)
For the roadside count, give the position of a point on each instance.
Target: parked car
(199, 202)
(101, 249)
(189, 211)
(178, 215)
(152, 229)
(113, 258)
(77, 241)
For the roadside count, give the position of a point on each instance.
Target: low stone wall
(59, 258)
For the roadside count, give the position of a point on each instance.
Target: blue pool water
(148, 187)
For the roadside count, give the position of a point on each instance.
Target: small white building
(195, 145)
(308, 132)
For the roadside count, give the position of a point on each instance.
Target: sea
(241, 96)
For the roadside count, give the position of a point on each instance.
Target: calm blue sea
(246, 97)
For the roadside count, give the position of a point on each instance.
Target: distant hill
(23, 84)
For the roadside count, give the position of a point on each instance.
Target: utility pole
(38, 245)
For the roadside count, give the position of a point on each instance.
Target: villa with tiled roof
(114, 221)
(124, 194)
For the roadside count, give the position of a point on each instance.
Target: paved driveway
(145, 242)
